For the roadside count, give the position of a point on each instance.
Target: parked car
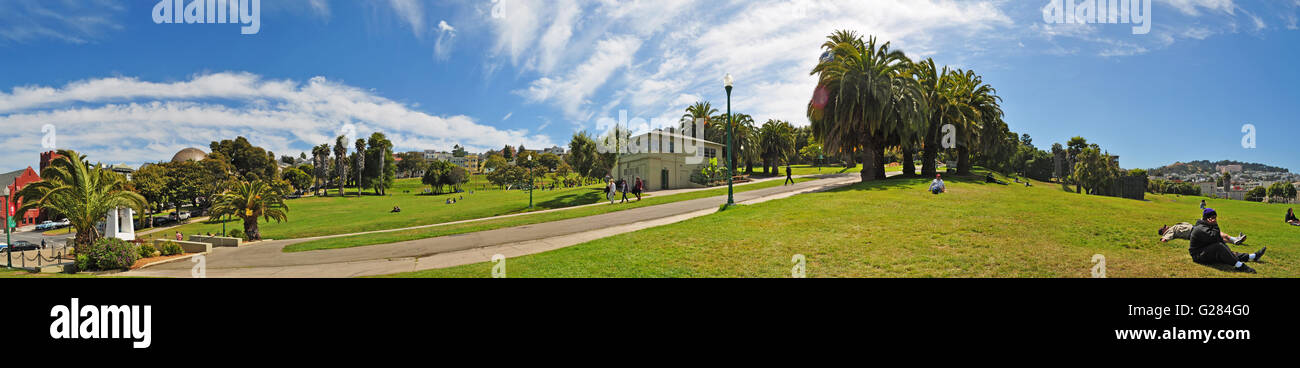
(161, 220)
(182, 215)
(23, 245)
(46, 225)
(64, 223)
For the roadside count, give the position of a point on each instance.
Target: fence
(56, 253)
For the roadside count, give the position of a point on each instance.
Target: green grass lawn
(895, 228)
(13, 273)
(432, 232)
(317, 216)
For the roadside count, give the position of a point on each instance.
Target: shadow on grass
(575, 199)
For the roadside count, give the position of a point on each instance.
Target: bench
(188, 246)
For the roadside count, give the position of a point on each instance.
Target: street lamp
(9, 259)
(530, 182)
(728, 81)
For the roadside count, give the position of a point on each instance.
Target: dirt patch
(144, 261)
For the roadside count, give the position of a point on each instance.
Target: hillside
(894, 228)
(1207, 167)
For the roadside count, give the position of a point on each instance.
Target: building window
(710, 153)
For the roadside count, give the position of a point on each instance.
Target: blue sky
(431, 74)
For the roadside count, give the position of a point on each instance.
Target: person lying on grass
(1290, 217)
(1183, 231)
(1207, 246)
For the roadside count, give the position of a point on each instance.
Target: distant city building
(1234, 169)
(556, 150)
(470, 162)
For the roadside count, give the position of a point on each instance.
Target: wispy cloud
(117, 119)
(446, 39)
(66, 21)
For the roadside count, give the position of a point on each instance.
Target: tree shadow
(577, 198)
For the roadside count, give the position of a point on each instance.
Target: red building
(15, 181)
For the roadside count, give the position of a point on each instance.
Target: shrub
(236, 233)
(147, 251)
(110, 254)
(170, 248)
(83, 262)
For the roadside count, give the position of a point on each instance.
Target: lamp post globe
(728, 82)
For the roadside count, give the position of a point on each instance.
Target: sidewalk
(266, 259)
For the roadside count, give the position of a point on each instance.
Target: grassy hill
(895, 228)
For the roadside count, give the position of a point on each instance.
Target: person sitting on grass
(937, 186)
(397, 209)
(1207, 246)
(1290, 217)
(1183, 231)
(1202, 204)
(988, 178)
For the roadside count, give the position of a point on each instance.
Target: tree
(185, 182)
(81, 192)
(495, 162)
(411, 163)
(250, 162)
(359, 163)
(1256, 194)
(508, 153)
(151, 182)
(321, 159)
(341, 161)
(582, 154)
(300, 180)
(700, 113)
(455, 177)
(776, 144)
(249, 201)
(549, 161)
(1074, 148)
(459, 151)
(1227, 181)
(507, 175)
(861, 84)
(1093, 171)
(381, 170)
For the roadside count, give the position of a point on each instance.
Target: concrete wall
(217, 241)
(188, 246)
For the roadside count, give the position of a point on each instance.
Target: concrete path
(266, 259)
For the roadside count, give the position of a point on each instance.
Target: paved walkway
(266, 259)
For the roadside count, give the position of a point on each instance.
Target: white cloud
(118, 119)
(446, 38)
(1192, 7)
(66, 21)
(411, 12)
(570, 92)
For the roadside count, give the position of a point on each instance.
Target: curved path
(266, 259)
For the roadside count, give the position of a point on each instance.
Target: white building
(665, 160)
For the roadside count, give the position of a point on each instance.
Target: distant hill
(1207, 167)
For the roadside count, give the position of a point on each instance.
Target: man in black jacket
(1207, 245)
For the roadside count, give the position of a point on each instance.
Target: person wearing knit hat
(1208, 247)
(937, 186)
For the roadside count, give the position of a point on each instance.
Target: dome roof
(189, 154)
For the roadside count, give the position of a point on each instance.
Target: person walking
(637, 188)
(609, 190)
(789, 176)
(622, 188)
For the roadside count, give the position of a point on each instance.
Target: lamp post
(727, 82)
(9, 259)
(530, 182)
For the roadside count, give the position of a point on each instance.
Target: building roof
(189, 154)
(8, 178)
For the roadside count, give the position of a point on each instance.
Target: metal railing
(56, 253)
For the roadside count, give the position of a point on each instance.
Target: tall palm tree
(81, 192)
(861, 83)
(341, 161)
(981, 106)
(937, 87)
(701, 111)
(360, 165)
(320, 158)
(250, 201)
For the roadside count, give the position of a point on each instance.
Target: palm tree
(341, 161)
(81, 192)
(776, 143)
(937, 87)
(360, 165)
(861, 85)
(250, 201)
(320, 157)
(981, 105)
(701, 111)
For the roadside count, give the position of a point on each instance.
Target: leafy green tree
(1073, 149)
(151, 182)
(508, 153)
(84, 193)
(411, 163)
(1093, 170)
(495, 162)
(582, 155)
(299, 179)
(321, 158)
(458, 151)
(550, 161)
(250, 201)
(250, 162)
(359, 163)
(381, 168)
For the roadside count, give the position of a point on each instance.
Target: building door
(663, 178)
